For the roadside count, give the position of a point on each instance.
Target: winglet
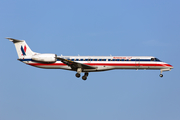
(14, 40)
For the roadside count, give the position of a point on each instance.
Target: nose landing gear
(161, 75)
(162, 70)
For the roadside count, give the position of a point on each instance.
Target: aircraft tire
(78, 75)
(161, 75)
(84, 77)
(86, 74)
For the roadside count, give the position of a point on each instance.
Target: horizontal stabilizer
(14, 40)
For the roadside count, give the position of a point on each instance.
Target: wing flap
(75, 64)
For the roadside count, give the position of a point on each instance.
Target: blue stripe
(26, 60)
(30, 60)
(99, 60)
(129, 60)
(23, 51)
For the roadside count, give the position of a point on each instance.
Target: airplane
(86, 64)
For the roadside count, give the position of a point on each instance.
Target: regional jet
(86, 64)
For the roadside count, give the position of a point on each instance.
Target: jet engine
(47, 58)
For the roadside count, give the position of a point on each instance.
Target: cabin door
(137, 62)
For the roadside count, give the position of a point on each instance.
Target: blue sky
(96, 27)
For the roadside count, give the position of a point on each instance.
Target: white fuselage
(103, 63)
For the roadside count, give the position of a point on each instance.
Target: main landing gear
(78, 74)
(83, 77)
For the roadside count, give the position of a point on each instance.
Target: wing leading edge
(75, 65)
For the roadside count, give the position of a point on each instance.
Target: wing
(75, 65)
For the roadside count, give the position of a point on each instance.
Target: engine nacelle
(47, 58)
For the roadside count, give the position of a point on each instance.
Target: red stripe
(100, 64)
(126, 64)
(25, 48)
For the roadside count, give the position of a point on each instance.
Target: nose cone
(169, 66)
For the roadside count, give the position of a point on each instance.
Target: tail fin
(21, 47)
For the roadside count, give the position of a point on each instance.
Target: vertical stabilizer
(22, 48)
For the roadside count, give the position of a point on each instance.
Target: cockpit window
(152, 59)
(156, 59)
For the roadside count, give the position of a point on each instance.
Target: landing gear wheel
(84, 77)
(161, 75)
(86, 74)
(78, 75)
